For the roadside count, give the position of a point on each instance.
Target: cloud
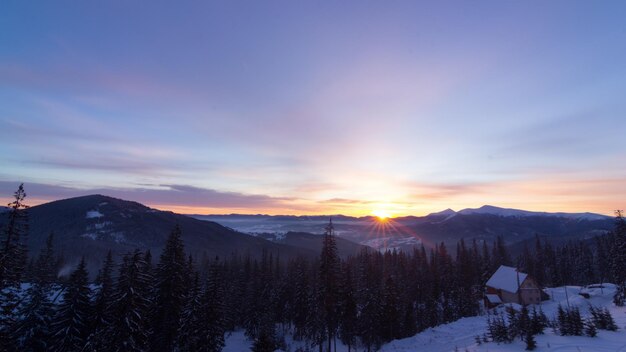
(162, 195)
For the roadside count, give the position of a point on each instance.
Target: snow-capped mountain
(489, 209)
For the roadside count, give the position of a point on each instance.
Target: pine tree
(538, 322)
(531, 344)
(618, 259)
(329, 284)
(590, 328)
(390, 319)
(104, 296)
(32, 331)
(45, 270)
(12, 264)
(12, 243)
(348, 317)
(265, 342)
(204, 324)
(128, 330)
(71, 325)
(103, 302)
(500, 254)
(171, 288)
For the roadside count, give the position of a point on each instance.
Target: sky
(316, 107)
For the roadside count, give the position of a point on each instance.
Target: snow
(93, 236)
(506, 212)
(446, 212)
(506, 278)
(493, 299)
(236, 341)
(118, 237)
(92, 214)
(459, 335)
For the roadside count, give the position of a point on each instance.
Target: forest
(179, 303)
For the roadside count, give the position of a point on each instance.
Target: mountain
(448, 226)
(91, 225)
(489, 209)
(446, 213)
(4, 209)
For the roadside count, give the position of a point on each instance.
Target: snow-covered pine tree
(390, 318)
(103, 302)
(71, 325)
(618, 259)
(538, 321)
(531, 344)
(590, 328)
(203, 326)
(128, 330)
(348, 316)
(188, 321)
(32, 331)
(12, 264)
(12, 242)
(329, 284)
(301, 299)
(45, 269)
(172, 283)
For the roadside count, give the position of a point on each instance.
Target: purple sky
(310, 107)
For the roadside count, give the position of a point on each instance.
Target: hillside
(459, 335)
(91, 225)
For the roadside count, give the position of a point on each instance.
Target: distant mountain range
(448, 226)
(91, 225)
(488, 209)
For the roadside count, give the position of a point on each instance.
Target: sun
(382, 215)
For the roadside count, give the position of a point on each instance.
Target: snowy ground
(459, 335)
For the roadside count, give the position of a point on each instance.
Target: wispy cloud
(165, 196)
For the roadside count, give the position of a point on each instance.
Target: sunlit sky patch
(286, 107)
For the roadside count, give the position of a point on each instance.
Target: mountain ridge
(89, 226)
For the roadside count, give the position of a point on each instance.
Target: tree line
(181, 303)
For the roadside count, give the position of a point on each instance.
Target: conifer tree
(104, 296)
(128, 330)
(12, 264)
(329, 284)
(12, 243)
(204, 325)
(45, 270)
(32, 331)
(171, 288)
(531, 344)
(348, 317)
(71, 325)
(618, 259)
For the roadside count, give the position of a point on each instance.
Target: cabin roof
(506, 278)
(494, 299)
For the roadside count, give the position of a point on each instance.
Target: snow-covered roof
(494, 299)
(506, 278)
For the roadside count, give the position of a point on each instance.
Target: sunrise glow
(246, 111)
(382, 215)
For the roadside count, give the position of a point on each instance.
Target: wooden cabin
(507, 285)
